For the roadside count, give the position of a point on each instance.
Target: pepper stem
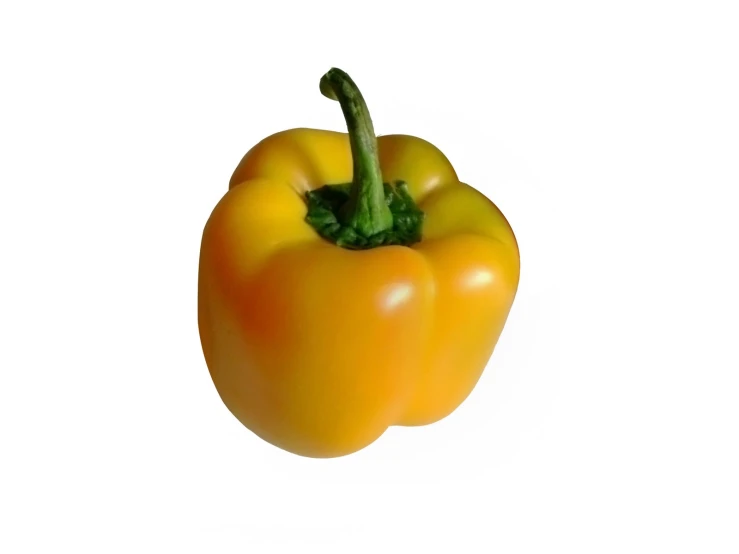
(366, 211)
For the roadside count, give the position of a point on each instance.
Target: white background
(607, 132)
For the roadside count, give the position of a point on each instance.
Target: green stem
(366, 211)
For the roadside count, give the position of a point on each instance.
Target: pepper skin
(318, 349)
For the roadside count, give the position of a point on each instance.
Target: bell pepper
(348, 283)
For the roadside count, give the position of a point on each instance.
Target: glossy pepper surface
(332, 306)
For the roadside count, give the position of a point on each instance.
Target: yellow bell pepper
(332, 305)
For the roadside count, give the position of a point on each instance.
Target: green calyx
(325, 206)
(365, 213)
